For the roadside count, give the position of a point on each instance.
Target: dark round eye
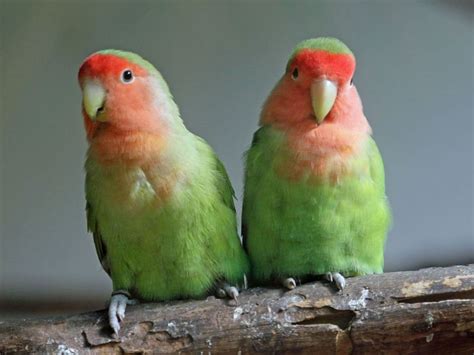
(294, 75)
(127, 76)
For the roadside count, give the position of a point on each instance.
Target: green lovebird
(159, 201)
(314, 199)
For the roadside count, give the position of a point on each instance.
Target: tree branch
(430, 310)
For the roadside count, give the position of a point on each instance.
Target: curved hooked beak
(93, 100)
(323, 96)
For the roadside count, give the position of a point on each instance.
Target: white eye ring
(294, 74)
(127, 76)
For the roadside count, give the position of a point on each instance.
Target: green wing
(92, 226)
(249, 162)
(376, 165)
(224, 185)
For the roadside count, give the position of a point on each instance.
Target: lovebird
(160, 204)
(314, 194)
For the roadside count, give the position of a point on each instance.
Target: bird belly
(312, 224)
(147, 248)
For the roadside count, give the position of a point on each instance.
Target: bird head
(123, 90)
(317, 82)
(323, 67)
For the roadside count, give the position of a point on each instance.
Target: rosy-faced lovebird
(314, 199)
(159, 201)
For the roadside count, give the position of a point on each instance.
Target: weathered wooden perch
(431, 310)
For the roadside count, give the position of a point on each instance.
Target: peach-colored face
(128, 100)
(290, 102)
(311, 146)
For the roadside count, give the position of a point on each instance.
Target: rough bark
(430, 310)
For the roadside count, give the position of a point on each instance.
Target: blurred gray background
(221, 59)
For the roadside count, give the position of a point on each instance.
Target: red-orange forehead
(100, 65)
(320, 62)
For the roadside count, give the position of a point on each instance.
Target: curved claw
(225, 290)
(118, 305)
(337, 279)
(328, 276)
(220, 293)
(121, 311)
(289, 283)
(231, 292)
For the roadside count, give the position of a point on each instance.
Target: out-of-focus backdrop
(221, 59)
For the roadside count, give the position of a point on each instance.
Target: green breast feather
(177, 249)
(297, 228)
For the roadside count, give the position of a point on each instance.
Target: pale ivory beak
(323, 96)
(93, 100)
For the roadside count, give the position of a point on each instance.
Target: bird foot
(288, 283)
(118, 303)
(226, 290)
(337, 279)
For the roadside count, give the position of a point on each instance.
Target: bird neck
(112, 145)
